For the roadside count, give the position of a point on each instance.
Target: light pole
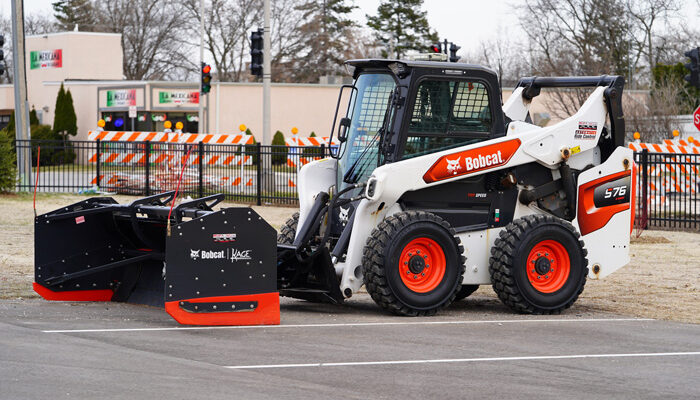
(267, 76)
(200, 117)
(24, 163)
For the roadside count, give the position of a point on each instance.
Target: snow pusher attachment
(208, 268)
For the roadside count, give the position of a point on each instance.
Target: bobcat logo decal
(453, 165)
(343, 214)
(194, 254)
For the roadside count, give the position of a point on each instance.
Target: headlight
(371, 187)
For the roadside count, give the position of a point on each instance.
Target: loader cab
(402, 109)
(399, 109)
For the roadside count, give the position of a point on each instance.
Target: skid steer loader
(435, 189)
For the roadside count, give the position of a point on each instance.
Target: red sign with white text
(696, 118)
(470, 161)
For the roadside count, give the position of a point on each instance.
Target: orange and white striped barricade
(129, 155)
(295, 155)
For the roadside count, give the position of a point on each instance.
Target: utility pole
(267, 76)
(200, 117)
(24, 162)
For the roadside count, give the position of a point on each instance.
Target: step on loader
(436, 188)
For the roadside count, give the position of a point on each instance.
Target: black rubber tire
(509, 258)
(288, 230)
(380, 263)
(466, 291)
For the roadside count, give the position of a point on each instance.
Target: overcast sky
(464, 22)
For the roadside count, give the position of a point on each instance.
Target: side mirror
(343, 129)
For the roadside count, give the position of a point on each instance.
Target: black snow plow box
(205, 267)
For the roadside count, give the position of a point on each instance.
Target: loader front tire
(413, 264)
(289, 230)
(538, 265)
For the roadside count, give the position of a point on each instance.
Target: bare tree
(151, 36)
(39, 24)
(226, 27)
(645, 16)
(654, 114)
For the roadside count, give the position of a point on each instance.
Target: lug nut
(539, 277)
(546, 277)
(415, 276)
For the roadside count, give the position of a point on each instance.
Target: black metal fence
(667, 190)
(246, 173)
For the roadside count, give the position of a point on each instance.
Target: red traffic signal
(436, 48)
(206, 78)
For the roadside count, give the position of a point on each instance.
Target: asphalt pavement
(476, 349)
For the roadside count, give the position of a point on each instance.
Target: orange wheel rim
(422, 265)
(548, 266)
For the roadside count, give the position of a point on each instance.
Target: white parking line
(351, 324)
(462, 360)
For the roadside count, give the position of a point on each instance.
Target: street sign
(132, 111)
(696, 118)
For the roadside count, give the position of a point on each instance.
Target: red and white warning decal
(80, 219)
(470, 161)
(586, 130)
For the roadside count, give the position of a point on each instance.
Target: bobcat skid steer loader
(436, 188)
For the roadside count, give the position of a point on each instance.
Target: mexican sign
(178, 97)
(121, 98)
(41, 59)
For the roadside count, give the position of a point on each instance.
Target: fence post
(323, 150)
(97, 168)
(200, 150)
(645, 185)
(259, 173)
(148, 167)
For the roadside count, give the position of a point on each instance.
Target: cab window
(447, 114)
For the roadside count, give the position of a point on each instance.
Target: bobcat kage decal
(470, 161)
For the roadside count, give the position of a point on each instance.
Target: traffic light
(436, 47)
(206, 78)
(256, 52)
(2, 55)
(694, 67)
(453, 52)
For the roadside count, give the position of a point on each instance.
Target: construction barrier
(134, 154)
(295, 160)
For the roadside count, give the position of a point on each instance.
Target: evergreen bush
(280, 149)
(8, 159)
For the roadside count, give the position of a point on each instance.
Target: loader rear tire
(538, 265)
(466, 291)
(289, 230)
(413, 264)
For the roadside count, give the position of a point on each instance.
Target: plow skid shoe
(221, 269)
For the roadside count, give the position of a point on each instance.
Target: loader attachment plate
(221, 270)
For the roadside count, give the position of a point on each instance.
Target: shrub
(8, 159)
(53, 151)
(279, 149)
(33, 118)
(252, 149)
(65, 120)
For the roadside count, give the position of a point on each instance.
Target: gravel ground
(662, 281)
